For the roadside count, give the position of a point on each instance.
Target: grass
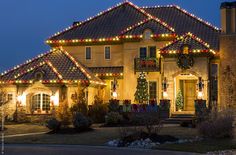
(99, 136)
(12, 129)
(202, 147)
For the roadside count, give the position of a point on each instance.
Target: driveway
(81, 150)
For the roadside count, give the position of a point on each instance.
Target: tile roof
(113, 22)
(188, 39)
(57, 65)
(109, 24)
(184, 22)
(151, 24)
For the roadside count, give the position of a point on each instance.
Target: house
(105, 55)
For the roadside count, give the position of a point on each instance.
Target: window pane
(147, 34)
(46, 102)
(107, 53)
(88, 52)
(152, 90)
(36, 102)
(143, 52)
(9, 97)
(152, 51)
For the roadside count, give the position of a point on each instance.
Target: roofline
(107, 11)
(142, 23)
(185, 12)
(193, 37)
(26, 62)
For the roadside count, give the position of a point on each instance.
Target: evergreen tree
(179, 101)
(141, 94)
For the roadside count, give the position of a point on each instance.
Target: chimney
(228, 17)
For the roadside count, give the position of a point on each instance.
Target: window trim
(146, 51)
(145, 32)
(156, 89)
(149, 51)
(41, 104)
(105, 52)
(86, 53)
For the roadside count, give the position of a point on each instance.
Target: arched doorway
(185, 83)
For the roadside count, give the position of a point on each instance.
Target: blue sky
(25, 24)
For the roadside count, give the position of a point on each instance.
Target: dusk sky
(26, 24)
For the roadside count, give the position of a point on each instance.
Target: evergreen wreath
(185, 61)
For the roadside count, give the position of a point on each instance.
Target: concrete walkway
(81, 150)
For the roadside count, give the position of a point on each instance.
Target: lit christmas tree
(179, 101)
(141, 94)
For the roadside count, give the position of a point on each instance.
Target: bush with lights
(141, 94)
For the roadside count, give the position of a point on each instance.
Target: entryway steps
(178, 118)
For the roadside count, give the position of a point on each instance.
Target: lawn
(101, 135)
(12, 129)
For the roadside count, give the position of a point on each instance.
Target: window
(214, 82)
(9, 97)
(152, 52)
(152, 90)
(143, 52)
(147, 34)
(107, 53)
(40, 102)
(88, 53)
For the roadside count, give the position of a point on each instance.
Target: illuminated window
(40, 102)
(9, 97)
(152, 90)
(107, 53)
(88, 53)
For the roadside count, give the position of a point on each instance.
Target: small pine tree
(141, 94)
(179, 101)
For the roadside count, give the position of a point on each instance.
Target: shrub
(98, 111)
(217, 125)
(152, 123)
(53, 124)
(79, 104)
(113, 118)
(113, 105)
(79, 107)
(63, 114)
(81, 122)
(20, 115)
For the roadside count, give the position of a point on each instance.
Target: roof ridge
(54, 69)
(157, 6)
(142, 23)
(185, 12)
(152, 17)
(26, 62)
(76, 63)
(107, 11)
(196, 17)
(88, 19)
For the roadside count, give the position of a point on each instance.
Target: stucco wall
(171, 71)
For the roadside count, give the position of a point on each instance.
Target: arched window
(40, 102)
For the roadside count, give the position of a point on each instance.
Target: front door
(189, 94)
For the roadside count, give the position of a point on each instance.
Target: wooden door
(189, 94)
